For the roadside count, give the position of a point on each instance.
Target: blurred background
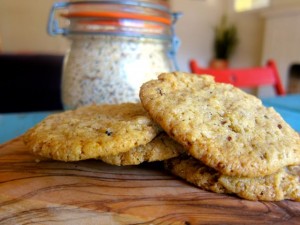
(266, 29)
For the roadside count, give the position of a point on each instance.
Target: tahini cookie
(160, 148)
(220, 125)
(284, 184)
(195, 172)
(281, 185)
(91, 132)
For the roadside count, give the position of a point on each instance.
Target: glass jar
(116, 46)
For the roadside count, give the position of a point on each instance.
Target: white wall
(278, 3)
(23, 27)
(281, 40)
(250, 26)
(195, 29)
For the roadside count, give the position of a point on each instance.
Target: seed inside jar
(111, 69)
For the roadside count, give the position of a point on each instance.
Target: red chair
(245, 77)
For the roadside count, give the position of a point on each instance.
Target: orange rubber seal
(116, 15)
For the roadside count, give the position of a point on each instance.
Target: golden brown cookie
(281, 185)
(219, 124)
(91, 132)
(284, 184)
(195, 172)
(160, 148)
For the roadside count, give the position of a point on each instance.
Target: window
(246, 5)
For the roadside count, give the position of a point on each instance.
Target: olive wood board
(91, 192)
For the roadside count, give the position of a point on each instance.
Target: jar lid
(144, 10)
(120, 17)
(162, 5)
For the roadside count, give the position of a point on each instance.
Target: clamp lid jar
(116, 46)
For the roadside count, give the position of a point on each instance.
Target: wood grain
(91, 192)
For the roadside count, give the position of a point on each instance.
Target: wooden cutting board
(91, 192)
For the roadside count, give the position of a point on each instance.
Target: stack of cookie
(120, 134)
(233, 143)
(211, 134)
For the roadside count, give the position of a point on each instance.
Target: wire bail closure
(175, 41)
(53, 24)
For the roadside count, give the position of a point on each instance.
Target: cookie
(284, 184)
(220, 125)
(281, 185)
(160, 148)
(91, 132)
(196, 173)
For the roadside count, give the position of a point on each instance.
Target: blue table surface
(288, 107)
(288, 102)
(14, 124)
